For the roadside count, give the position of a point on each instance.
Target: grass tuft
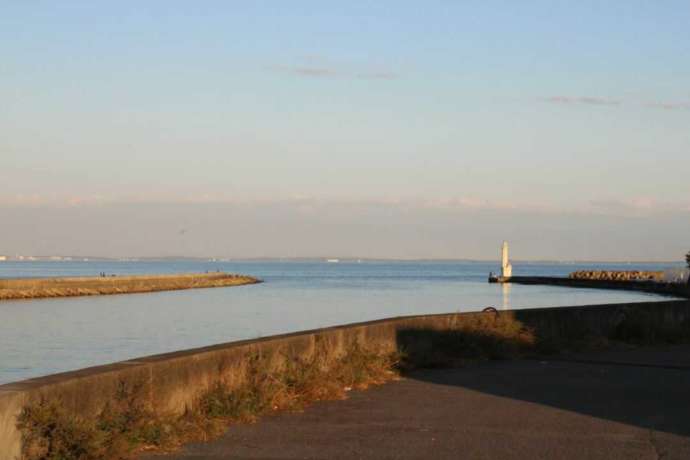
(476, 338)
(128, 424)
(52, 434)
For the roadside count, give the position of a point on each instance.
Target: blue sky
(552, 107)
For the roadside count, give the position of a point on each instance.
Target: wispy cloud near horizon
(310, 227)
(637, 206)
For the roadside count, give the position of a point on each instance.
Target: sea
(46, 336)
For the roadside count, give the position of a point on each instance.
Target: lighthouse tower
(506, 267)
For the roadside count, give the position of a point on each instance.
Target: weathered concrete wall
(670, 289)
(174, 380)
(664, 320)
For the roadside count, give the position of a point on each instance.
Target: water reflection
(505, 288)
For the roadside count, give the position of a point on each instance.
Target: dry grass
(129, 424)
(479, 337)
(28, 288)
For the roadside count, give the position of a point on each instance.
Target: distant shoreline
(348, 259)
(38, 288)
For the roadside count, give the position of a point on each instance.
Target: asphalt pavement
(632, 404)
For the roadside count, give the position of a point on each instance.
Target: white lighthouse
(506, 267)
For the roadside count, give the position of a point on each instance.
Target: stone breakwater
(627, 275)
(653, 287)
(35, 288)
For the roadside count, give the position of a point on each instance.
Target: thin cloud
(316, 72)
(586, 100)
(332, 72)
(600, 101)
(675, 105)
(378, 76)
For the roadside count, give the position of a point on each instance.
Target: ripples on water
(45, 336)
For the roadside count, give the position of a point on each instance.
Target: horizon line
(83, 258)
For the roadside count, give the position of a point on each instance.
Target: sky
(388, 129)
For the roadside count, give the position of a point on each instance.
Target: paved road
(499, 410)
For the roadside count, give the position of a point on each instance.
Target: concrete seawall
(173, 381)
(653, 287)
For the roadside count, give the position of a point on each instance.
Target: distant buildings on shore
(39, 258)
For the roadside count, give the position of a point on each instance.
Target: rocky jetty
(35, 288)
(623, 275)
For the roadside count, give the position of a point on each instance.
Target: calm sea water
(39, 337)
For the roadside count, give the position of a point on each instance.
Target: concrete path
(630, 405)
